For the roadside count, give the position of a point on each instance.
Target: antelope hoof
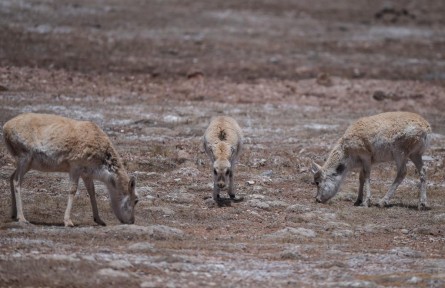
(383, 203)
(423, 206)
(217, 198)
(99, 222)
(68, 223)
(23, 221)
(232, 196)
(358, 202)
(366, 203)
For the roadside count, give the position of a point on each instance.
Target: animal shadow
(46, 223)
(226, 202)
(404, 205)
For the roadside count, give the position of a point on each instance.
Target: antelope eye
(227, 172)
(214, 171)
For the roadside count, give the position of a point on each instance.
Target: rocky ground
(294, 74)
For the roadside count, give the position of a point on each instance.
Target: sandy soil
(294, 74)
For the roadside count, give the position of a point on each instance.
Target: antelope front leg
(423, 204)
(418, 162)
(89, 184)
(231, 188)
(366, 185)
(74, 181)
(16, 187)
(13, 202)
(401, 173)
(359, 200)
(216, 191)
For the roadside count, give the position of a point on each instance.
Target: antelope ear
(132, 183)
(315, 168)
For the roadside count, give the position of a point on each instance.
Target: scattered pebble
(291, 255)
(298, 208)
(258, 204)
(406, 252)
(439, 217)
(141, 247)
(290, 232)
(108, 272)
(414, 280)
(354, 284)
(267, 173)
(120, 264)
(343, 233)
(427, 158)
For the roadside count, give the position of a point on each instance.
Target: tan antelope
(397, 136)
(53, 143)
(222, 142)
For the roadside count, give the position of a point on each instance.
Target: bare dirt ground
(294, 74)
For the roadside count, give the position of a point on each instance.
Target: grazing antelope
(53, 143)
(222, 142)
(397, 136)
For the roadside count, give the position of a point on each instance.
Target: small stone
(171, 118)
(277, 203)
(343, 233)
(291, 255)
(256, 214)
(404, 231)
(141, 247)
(148, 284)
(439, 217)
(406, 252)
(357, 283)
(164, 210)
(183, 156)
(379, 95)
(161, 232)
(258, 204)
(414, 280)
(267, 173)
(195, 74)
(60, 257)
(89, 258)
(108, 272)
(250, 182)
(257, 189)
(324, 79)
(427, 158)
(356, 73)
(120, 264)
(292, 232)
(298, 208)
